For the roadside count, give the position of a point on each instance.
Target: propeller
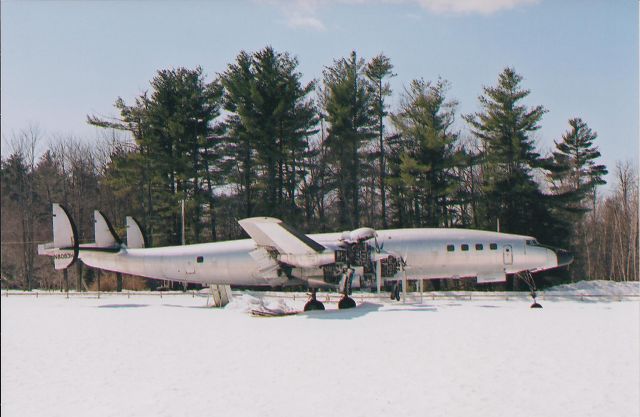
(378, 247)
(403, 259)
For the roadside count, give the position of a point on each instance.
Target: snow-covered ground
(172, 356)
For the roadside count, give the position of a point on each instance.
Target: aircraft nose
(564, 257)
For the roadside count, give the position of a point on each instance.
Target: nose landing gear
(527, 278)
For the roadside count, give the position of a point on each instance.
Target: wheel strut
(346, 301)
(527, 278)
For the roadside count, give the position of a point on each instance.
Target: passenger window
(479, 246)
(464, 246)
(199, 259)
(450, 248)
(493, 246)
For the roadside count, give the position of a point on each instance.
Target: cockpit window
(532, 242)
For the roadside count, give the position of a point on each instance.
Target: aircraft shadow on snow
(128, 305)
(346, 314)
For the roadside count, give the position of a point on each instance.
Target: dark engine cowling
(389, 266)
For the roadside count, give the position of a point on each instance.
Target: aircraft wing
(269, 232)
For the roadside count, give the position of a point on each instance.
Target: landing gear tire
(346, 302)
(313, 305)
(395, 292)
(531, 283)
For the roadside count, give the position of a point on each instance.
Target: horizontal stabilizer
(135, 237)
(105, 235)
(273, 233)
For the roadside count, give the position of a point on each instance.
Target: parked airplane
(278, 255)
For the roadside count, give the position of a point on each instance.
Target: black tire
(313, 305)
(536, 305)
(346, 302)
(397, 294)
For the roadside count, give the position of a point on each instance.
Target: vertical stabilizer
(105, 235)
(64, 248)
(135, 237)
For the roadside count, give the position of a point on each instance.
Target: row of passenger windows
(465, 247)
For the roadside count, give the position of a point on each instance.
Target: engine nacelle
(358, 235)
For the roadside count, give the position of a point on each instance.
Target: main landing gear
(395, 291)
(528, 279)
(346, 301)
(313, 303)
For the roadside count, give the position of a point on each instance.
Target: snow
(598, 288)
(145, 355)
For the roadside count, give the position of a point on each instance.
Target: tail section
(65, 246)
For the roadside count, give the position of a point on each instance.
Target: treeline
(323, 155)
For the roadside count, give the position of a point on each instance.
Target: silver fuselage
(428, 253)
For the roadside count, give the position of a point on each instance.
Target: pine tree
(430, 156)
(170, 127)
(349, 108)
(271, 115)
(574, 176)
(504, 128)
(574, 168)
(378, 69)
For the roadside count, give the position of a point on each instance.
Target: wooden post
(65, 279)
(378, 275)
(404, 285)
(79, 277)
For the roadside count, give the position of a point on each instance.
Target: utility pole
(183, 223)
(184, 240)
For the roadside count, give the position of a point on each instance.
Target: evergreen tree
(378, 69)
(171, 127)
(271, 115)
(430, 156)
(504, 128)
(574, 169)
(574, 176)
(349, 107)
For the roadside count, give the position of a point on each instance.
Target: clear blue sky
(62, 60)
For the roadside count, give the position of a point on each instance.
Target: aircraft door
(190, 267)
(507, 254)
